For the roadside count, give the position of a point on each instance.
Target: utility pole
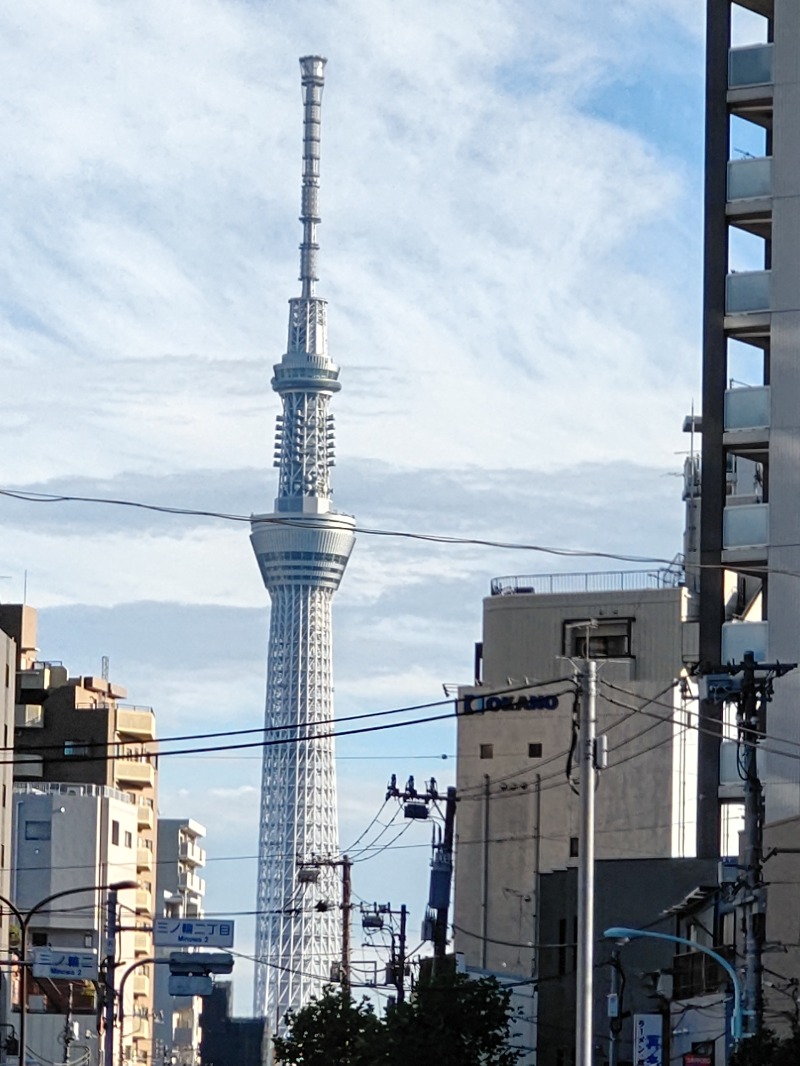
(68, 1034)
(614, 1009)
(417, 805)
(110, 966)
(347, 867)
(346, 905)
(751, 694)
(441, 881)
(584, 984)
(372, 920)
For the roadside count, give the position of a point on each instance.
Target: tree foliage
(332, 1030)
(767, 1049)
(450, 1020)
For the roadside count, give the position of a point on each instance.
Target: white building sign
(184, 932)
(65, 964)
(648, 1040)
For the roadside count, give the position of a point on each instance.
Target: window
(37, 830)
(487, 751)
(4, 795)
(115, 832)
(76, 748)
(573, 847)
(609, 638)
(128, 839)
(534, 751)
(39, 938)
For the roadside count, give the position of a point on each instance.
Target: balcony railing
(747, 408)
(739, 637)
(593, 581)
(746, 526)
(137, 722)
(749, 179)
(748, 291)
(191, 853)
(750, 66)
(132, 771)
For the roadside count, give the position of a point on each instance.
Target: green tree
(449, 1021)
(767, 1049)
(452, 1020)
(331, 1030)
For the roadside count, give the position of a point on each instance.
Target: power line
(433, 538)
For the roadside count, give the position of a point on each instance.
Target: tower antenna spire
(313, 80)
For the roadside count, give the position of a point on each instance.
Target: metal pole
(68, 1034)
(485, 873)
(111, 962)
(346, 907)
(401, 962)
(583, 991)
(753, 846)
(614, 1011)
(445, 853)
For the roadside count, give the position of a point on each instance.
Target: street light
(619, 932)
(24, 922)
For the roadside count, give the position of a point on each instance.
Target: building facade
(67, 836)
(302, 549)
(8, 666)
(518, 814)
(77, 731)
(179, 893)
(751, 378)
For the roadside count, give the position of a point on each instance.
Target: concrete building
(67, 836)
(179, 894)
(517, 814)
(76, 731)
(229, 1041)
(8, 659)
(751, 376)
(635, 892)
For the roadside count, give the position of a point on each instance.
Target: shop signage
(480, 704)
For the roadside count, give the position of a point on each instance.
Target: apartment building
(78, 731)
(179, 894)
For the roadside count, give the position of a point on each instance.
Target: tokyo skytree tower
(302, 549)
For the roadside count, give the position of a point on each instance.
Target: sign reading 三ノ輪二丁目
(65, 964)
(188, 932)
(648, 1040)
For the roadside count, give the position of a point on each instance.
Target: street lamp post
(24, 921)
(618, 932)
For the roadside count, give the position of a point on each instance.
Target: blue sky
(511, 250)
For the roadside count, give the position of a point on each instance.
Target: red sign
(693, 1058)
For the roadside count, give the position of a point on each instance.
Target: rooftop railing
(667, 577)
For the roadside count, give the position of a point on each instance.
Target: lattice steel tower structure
(302, 549)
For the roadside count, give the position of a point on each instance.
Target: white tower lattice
(302, 549)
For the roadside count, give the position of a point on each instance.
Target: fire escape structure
(302, 549)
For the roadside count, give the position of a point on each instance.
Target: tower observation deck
(302, 549)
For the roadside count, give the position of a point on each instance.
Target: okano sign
(513, 702)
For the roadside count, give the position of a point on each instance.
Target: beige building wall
(517, 814)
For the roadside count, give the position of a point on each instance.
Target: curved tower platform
(302, 549)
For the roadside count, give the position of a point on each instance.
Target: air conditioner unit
(37, 1004)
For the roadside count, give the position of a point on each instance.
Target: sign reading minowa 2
(480, 704)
